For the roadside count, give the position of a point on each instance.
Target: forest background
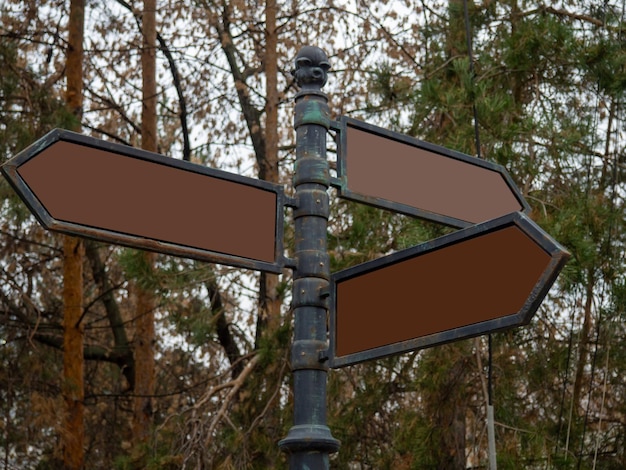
(183, 364)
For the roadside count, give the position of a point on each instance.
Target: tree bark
(269, 300)
(145, 301)
(73, 434)
(448, 409)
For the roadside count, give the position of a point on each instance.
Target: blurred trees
(548, 89)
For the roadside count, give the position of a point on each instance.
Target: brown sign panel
(481, 279)
(88, 187)
(400, 173)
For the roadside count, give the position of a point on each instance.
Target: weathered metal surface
(474, 281)
(88, 187)
(309, 440)
(403, 174)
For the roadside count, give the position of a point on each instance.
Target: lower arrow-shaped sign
(481, 279)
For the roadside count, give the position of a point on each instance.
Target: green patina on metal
(312, 112)
(312, 169)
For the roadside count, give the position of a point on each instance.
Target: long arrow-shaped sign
(404, 174)
(474, 281)
(84, 186)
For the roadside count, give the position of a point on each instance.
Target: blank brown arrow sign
(115, 193)
(481, 279)
(398, 172)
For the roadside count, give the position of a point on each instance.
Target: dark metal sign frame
(558, 257)
(11, 171)
(342, 183)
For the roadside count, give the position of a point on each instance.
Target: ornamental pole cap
(311, 68)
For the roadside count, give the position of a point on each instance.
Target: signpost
(482, 279)
(491, 275)
(88, 187)
(403, 174)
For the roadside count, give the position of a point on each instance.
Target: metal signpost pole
(309, 441)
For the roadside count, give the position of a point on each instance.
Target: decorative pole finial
(311, 68)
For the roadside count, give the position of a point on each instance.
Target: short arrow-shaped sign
(481, 279)
(88, 187)
(403, 174)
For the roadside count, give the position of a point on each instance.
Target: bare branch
(234, 385)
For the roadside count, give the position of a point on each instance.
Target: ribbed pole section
(309, 441)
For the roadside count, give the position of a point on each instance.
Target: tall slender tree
(144, 341)
(269, 298)
(73, 434)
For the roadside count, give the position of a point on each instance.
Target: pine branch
(575, 16)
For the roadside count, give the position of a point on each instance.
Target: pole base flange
(306, 437)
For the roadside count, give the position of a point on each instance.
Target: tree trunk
(145, 301)
(73, 434)
(448, 408)
(269, 301)
(144, 361)
(73, 364)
